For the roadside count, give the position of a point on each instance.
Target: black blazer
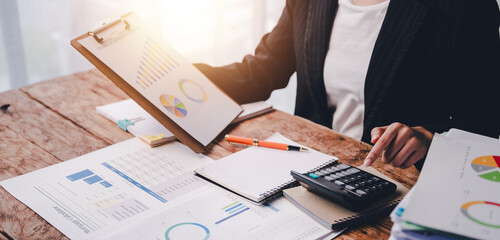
(436, 63)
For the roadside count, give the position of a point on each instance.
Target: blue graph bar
(233, 207)
(79, 175)
(106, 184)
(230, 216)
(145, 189)
(271, 207)
(237, 209)
(93, 179)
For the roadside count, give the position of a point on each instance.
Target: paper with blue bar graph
(131, 191)
(92, 195)
(213, 213)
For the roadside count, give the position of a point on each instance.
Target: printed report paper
(131, 191)
(458, 189)
(165, 78)
(213, 213)
(97, 193)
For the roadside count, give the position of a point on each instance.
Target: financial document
(93, 195)
(213, 213)
(458, 189)
(146, 62)
(131, 191)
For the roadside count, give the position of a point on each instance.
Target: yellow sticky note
(150, 138)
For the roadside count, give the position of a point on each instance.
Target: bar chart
(154, 64)
(233, 210)
(89, 177)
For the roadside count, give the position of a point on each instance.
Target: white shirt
(354, 32)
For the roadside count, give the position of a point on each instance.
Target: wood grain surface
(19, 156)
(79, 103)
(34, 121)
(55, 120)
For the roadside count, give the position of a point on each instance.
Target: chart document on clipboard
(154, 69)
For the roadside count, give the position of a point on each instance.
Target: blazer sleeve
(268, 69)
(476, 100)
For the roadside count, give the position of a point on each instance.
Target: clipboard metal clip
(107, 26)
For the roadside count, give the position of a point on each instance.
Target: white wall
(216, 32)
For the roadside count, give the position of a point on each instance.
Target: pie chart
(482, 212)
(192, 90)
(185, 229)
(173, 105)
(487, 167)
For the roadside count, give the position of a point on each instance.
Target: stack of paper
(131, 191)
(457, 194)
(144, 126)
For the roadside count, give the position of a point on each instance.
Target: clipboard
(161, 117)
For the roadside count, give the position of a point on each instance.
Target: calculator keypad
(353, 180)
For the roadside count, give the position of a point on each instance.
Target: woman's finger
(403, 155)
(382, 143)
(403, 135)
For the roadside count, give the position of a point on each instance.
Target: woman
(387, 72)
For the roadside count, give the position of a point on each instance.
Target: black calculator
(346, 185)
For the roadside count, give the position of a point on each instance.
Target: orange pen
(260, 143)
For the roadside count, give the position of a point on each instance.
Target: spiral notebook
(335, 216)
(260, 174)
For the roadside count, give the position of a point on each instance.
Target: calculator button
(349, 187)
(335, 169)
(345, 180)
(363, 174)
(328, 178)
(328, 171)
(352, 170)
(340, 174)
(360, 192)
(313, 175)
(339, 183)
(334, 176)
(345, 173)
(319, 174)
(323, 172)
(343, 166)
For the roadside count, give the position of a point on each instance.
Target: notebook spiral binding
(364, 217)
(277, 192)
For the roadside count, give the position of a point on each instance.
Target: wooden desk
(56, 120)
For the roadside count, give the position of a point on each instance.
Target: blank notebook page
(258, 170)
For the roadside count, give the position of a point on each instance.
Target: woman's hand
(400, 145)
